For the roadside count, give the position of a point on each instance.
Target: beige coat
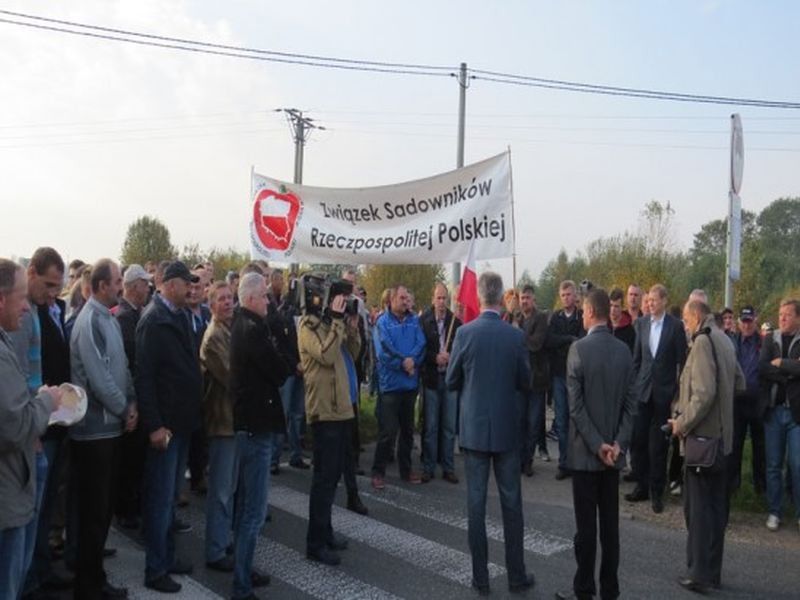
(324, 370)
(215, 361)
(707, 389)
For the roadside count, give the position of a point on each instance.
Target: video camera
(315, 292)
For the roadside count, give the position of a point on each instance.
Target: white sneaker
(773, 522)
(675, 490)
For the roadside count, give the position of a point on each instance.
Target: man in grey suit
(658, 358)
(489, 366)
(601, 409)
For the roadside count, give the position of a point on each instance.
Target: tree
(147, 239)
(192, 255)
(419, 279)
(229, 259)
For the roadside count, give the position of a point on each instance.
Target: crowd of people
(217, 377)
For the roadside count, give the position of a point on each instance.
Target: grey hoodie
(23, 418)
(100, 366)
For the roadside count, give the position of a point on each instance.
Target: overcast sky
(94, 133)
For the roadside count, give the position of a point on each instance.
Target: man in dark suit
(489, 367)
(601, 407)
(658, 358)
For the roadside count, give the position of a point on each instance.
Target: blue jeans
(561, 421)
(42, 467)
(507, 476)
(532, 424)
(293, 399)
(440, 427)
(41, 568)
(12, 561)
(160, 476)
(255, 452)
(222, 469)
(781, 433)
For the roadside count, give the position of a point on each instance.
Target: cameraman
(327, 343)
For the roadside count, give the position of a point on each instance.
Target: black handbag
(700, 452)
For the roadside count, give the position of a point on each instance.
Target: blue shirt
(351, 375)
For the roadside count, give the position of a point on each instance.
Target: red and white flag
(468, 292)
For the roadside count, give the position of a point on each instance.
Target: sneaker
(544, 456)
(413, 478)
(377, 482)
(675, 488)
(773, 522)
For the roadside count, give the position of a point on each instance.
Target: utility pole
(462, 115)
(301, 128)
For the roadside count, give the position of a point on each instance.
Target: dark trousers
(95, 466)
(331, 446)
(650, 446)
(745, 418)
(351, 459)
(596, 500)
(675, 461)
(705, 509)
(198, 457)
(132, 450)
(397, 414)
(507, 476)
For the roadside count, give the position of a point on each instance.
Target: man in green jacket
(327, 346)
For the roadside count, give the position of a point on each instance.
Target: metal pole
(462, 114)
(729, 255)
(299, 142)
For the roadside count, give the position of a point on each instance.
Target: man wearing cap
(169, 388)
(135, 294)
(748, 411)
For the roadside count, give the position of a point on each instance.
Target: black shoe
(562, 474)
(337, 543)
(360, 472)
(114, 593)
(275, 470)
(637, 495)
(129, 523)
(299, 464)
(57, 583)
(354, 504)
(450, 477)
(325, 556)
(523, 586)
(181, 568)
(629, 478)
(527, 469)
(259, 580)
(109, 552)
(481, 588)
(657, 504)
(224, 564)
(426, 477)
(690, 584)
(179, 526)
(164, 584)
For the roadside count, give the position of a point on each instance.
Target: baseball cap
(747, 313)
(178, 269)
(135, 272)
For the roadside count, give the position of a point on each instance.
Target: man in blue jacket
(400, 350)
(489, 367)
(169, 388)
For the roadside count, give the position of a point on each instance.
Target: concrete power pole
(301, 128)
(462, 114)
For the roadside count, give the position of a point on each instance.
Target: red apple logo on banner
(275, 216)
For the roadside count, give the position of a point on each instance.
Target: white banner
(427, 221)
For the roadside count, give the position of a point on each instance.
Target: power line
(204, 50)
(379, 66)
(228, 47)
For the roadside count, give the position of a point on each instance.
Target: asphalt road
(413, 545)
